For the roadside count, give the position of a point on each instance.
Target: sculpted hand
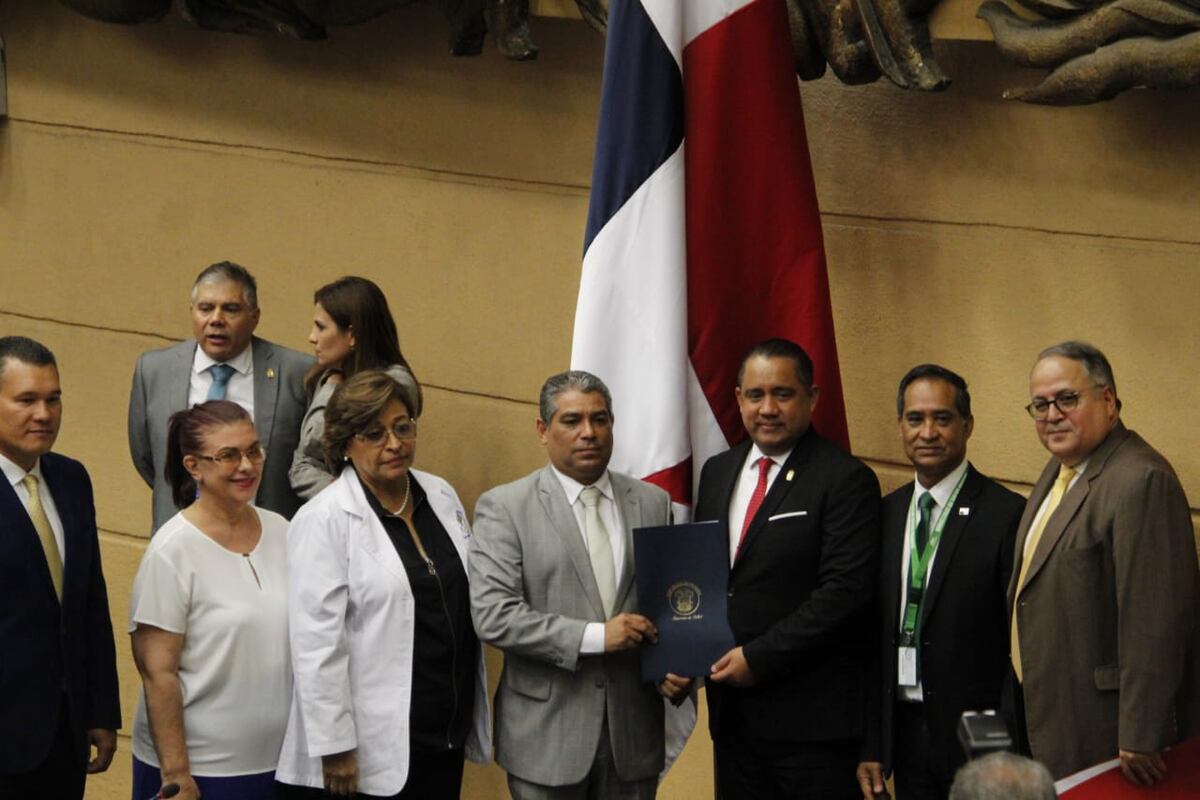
(341, 773)
(626, 631)
(105, 742)
(1143, 769)
(870, 779)
(675, 688)
(733, 668)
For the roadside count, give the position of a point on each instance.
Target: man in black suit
(786, 705)
(58, 675)
(947, 555)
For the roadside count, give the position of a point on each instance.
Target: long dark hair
(357, 304)
(185, 436)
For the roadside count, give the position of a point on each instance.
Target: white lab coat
(351, 618)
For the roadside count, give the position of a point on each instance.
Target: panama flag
(703, 234)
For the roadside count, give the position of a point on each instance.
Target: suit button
(731, 592)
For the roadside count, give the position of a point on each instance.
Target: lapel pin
(964, 512)
(270, 374)
(791, 474)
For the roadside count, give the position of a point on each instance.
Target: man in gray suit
(224, 361)
(551, 571)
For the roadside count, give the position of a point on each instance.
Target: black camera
(983, 732)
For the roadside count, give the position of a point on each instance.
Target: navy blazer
(800, 594)
(964, 620)
(51, 651)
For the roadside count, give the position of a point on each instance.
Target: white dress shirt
(744, 489)
(240, 388)
(941, 496)
(15, 475)
(610, 515)
(1079, 468)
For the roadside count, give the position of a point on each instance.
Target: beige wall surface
(959, 228)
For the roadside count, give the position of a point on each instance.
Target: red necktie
(756, 499)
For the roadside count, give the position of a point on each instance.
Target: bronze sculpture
(470, 20)
(1097, 49)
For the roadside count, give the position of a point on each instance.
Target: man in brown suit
(1105, 588)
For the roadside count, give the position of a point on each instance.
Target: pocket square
(787, 514)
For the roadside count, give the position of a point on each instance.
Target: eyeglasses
(1063, 401)
(404, 430)
(231, 457)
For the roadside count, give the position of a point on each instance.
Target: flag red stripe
(756, 260)
(675, 481)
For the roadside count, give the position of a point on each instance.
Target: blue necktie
(220, 375)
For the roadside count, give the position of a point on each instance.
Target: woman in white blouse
(208, 620)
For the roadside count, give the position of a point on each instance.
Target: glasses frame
(1071, 396)
(388, 433)
(234, 463)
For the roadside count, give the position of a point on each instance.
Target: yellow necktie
(41, 524)
(1065, 476)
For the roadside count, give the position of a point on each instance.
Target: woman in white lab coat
(390, 691)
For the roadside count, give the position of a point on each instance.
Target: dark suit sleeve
(104, 705)
(139, 435)
(845, 578)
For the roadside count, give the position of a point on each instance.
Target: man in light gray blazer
(551, 569)
(224, 361)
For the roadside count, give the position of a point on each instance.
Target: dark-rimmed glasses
(1063, 401)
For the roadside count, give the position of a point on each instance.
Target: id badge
(907, 667)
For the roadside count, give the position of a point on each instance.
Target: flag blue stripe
(641, 112)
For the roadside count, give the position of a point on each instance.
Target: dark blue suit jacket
(800, 594)
(50, 651)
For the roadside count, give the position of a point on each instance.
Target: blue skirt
(147, 780)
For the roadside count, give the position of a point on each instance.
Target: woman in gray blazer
(353, 330)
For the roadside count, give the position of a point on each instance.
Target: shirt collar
(243, 362)
(755, 454)
(942, 489)
(573, 487)
(15, 474)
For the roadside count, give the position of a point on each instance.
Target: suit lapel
(564, 525)
(952, 534)
(1036, 496)
(1071, 502)
(266, 388)
(892, 556)
(23, 537)
(181, 376)
(780, 487)
(631, 517)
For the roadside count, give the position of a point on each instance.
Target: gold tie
(37, 515)
(1065, 476)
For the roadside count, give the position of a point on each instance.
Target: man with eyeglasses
(551, 571)
(1105, 642)
(224, 361)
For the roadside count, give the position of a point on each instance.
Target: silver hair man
(1003, 776)
(573, 380)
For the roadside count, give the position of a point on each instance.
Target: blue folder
(682, 574)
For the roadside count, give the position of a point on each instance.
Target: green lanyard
(918, 563)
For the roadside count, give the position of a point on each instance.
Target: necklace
(407, 488)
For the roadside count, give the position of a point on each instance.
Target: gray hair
(572, 380)
(229, 271)
(1094, 362)
(1003, 776)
